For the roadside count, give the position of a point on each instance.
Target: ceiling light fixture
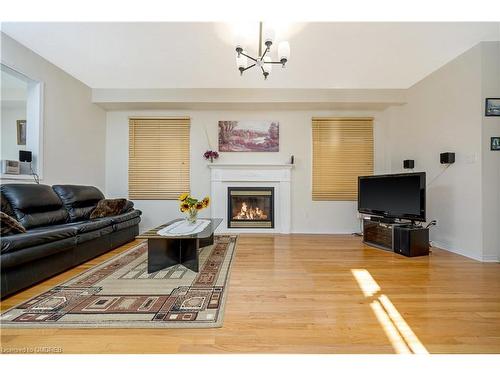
(263, 61)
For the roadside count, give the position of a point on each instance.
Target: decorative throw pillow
(9, 225)
(108, 207)
(128, 207)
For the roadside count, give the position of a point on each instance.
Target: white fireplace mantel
(252, 175)
(246, 165)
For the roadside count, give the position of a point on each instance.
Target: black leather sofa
(59, 234)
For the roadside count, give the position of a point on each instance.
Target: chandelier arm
(250, 57)
(248, 67)
(264, 54)
(273, 62)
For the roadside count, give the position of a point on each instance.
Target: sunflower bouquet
(191, 206)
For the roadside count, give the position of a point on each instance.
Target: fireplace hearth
(250, 207)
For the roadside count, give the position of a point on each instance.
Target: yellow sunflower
(183, 197)
(199, 205)
(184, 207)
(206, 202)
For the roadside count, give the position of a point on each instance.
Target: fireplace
(250, 207)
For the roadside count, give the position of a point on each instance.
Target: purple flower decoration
(211, 155)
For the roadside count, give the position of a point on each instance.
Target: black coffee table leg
(163, 253)
(189, 253)
(207, 241)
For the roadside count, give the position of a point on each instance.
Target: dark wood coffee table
(166, 251)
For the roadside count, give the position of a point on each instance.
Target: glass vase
(192, 215)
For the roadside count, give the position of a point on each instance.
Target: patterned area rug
(121, 294)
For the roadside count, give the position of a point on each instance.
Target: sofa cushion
(125, 216)
(88, 225)
(126, 224)
(9, 225)
(30, 254)
(35, 205)
(78, 200)
(92, 225)
(93, 234)
(37, 236)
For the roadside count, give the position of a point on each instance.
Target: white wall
(445, 113)
(295, 139)
(490, 159)
(74, 128)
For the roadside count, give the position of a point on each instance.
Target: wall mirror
(21, 125)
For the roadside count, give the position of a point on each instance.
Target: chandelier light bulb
(239, 41)
(284, 52)
(268, 36)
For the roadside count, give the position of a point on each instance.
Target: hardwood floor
(314, 294)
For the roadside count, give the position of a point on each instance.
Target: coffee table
(166, 251)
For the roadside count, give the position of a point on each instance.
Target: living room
(245, 187)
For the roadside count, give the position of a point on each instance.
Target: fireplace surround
(277, 176)
(250, 207)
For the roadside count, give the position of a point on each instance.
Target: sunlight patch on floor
(399, 333)
(366, 282)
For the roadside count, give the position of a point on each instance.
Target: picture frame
(21, 132)
(249, 136)
(492, 107)
(495, 144)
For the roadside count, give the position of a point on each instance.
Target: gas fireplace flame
(250, 213)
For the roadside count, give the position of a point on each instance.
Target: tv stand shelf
(402, 238)
(379, 234)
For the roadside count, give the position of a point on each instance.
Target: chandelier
(263, 60)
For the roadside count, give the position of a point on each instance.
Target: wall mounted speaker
(408, 164)
(447, 157)
(25, 156)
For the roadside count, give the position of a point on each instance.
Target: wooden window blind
(158, 166)
(342, 151)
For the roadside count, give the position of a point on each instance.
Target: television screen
(400, 196)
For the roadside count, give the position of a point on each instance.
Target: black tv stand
(379, 232)
(406, 238)
(385, 220)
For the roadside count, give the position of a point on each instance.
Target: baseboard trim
(271, 231)
(491, 259)
(487, 259)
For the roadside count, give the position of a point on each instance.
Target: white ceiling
(201, 55)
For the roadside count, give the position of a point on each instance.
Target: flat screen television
(393, 196)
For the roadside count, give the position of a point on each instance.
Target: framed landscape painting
(249, 136)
